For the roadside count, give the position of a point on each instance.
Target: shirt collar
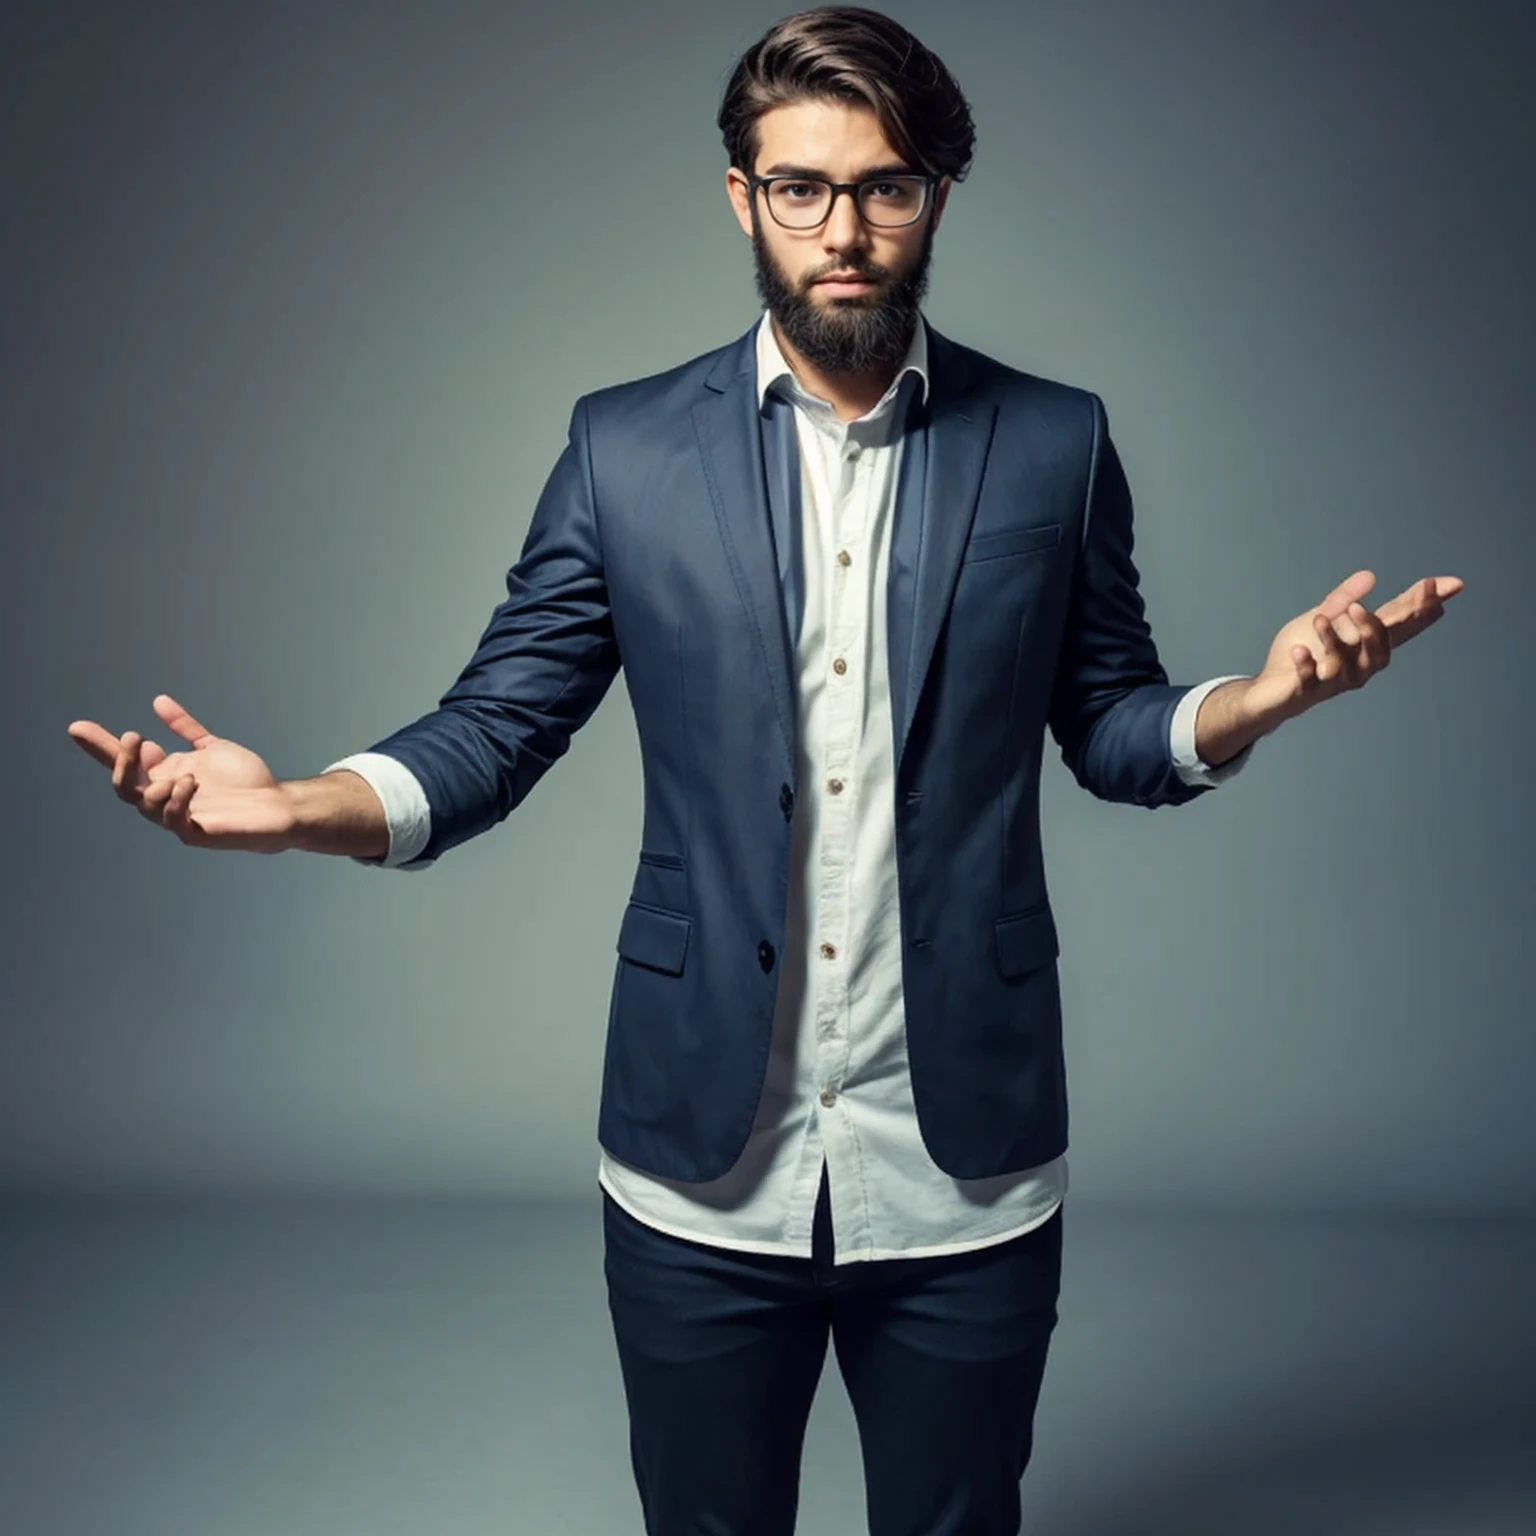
(772, 366)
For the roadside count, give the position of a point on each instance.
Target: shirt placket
(843, 537)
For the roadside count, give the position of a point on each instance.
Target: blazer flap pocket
(1013, 541)
(1026, 941)
(649, 936)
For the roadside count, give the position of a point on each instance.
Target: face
(840, 330)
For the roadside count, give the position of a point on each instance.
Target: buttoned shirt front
(837, 1090)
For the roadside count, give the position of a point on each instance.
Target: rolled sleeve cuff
(1181, 738)
(406, 811)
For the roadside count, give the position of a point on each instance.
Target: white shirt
(838, 1087)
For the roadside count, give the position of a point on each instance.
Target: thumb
(1351, 589)
(182, 723)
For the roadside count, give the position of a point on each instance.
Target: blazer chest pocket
(1026, 941)
(1012, 541)
(653, 938)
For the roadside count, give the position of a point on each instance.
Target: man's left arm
(1110, 687)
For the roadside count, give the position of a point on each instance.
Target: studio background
(297, 302)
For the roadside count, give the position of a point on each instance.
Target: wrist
(1264, 703)
(336, 812)
(301, 813)
(1231, 717)
(1255, 709)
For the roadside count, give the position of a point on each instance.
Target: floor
(246, 1368)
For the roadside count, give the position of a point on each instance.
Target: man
(853, 570)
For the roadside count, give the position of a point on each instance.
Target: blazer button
(786, 800)
(765, 955)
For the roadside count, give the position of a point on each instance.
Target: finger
(1414, 610)
(1432, 599)
(1328, 667)
(1354, 666)
(1344, 627)
(101, 744)
(96, 740)
(1375, 647)
(1405, 614)
(178, 816)
(154, 796)
(171, 767)
(149, 754)
(1306, 669)
(181, 722)
(125, 768)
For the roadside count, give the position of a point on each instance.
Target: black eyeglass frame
(852, 188)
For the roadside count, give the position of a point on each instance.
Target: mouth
(853, 284)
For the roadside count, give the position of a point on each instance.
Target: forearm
(1226, 724)
(337, 812)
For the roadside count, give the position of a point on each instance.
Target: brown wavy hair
(850, 54)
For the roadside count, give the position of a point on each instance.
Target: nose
(845, 228)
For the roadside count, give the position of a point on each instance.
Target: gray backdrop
(297, 301)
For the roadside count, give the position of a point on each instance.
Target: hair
(849, 54)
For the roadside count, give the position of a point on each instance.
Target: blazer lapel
(935, 506)
(942, 497)
(731, 448)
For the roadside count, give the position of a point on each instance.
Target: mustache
(873, 274)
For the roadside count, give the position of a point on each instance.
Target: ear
(739, 192)
(940, 197)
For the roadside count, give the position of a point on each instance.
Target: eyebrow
(893, 168)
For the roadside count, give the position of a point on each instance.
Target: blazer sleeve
(542, 665)
(1111, 701)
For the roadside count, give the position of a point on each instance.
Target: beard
(845, 335)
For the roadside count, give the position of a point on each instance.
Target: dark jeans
(721, 1352)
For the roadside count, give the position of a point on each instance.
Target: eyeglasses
(803, 202)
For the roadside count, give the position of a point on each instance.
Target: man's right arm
(542, 666)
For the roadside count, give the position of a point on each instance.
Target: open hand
(218, 795)
(1340, 644)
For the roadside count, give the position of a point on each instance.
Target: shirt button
(829, 1097)
(835, 786)
(765, 955)
(844, 558)
(829, 952)
(839, 666)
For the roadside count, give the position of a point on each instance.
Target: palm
(216, 763)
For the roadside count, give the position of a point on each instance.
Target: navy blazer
(1013, 605)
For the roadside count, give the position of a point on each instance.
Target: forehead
(838, 137)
